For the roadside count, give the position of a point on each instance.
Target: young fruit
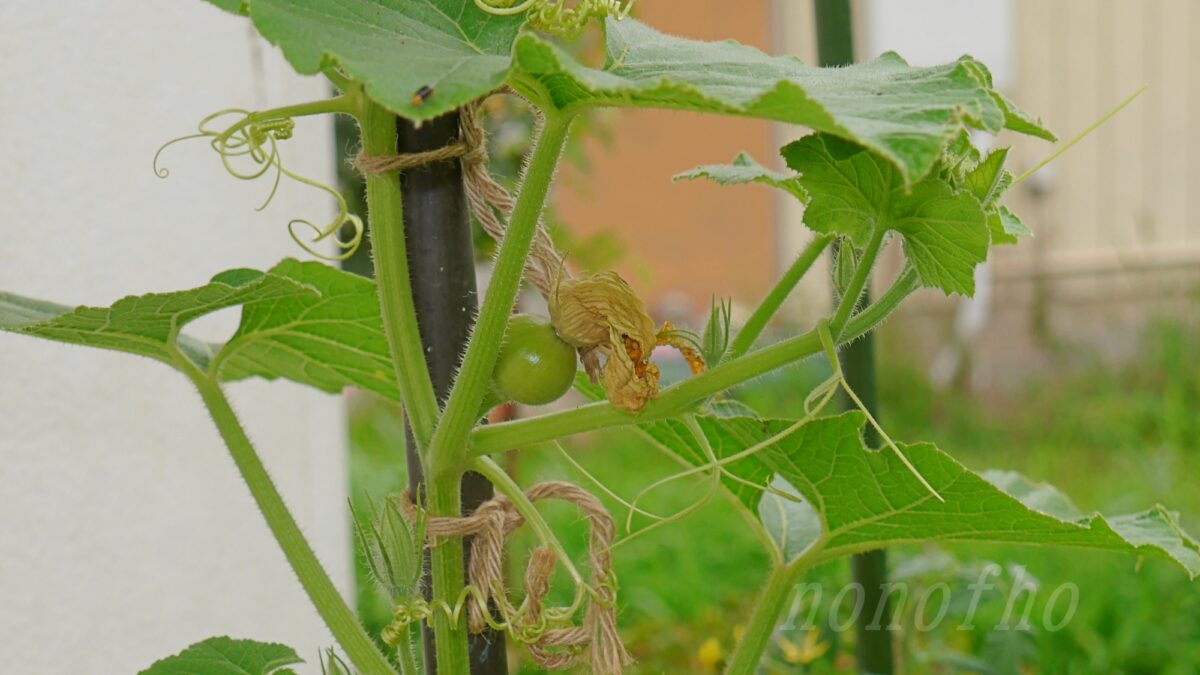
(535, 366)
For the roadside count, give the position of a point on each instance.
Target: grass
(1115, 439)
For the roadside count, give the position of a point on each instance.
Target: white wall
(929, 32)
(125, 531)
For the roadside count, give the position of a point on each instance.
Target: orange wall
(690, 237)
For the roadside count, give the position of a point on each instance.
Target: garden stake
(835, 47)
(437, 228)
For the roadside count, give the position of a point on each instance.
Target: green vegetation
(889, 162)
(1130, 426)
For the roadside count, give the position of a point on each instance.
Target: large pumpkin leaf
(329, 341)
(226, 656)
(867, 499)
(396, 47)
(148, 325)
(303, 321)
(904, 114)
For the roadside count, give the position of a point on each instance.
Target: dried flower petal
(685, 342)
(630, 380)
(602, 317)
(584, 310)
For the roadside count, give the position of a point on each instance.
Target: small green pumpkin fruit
(535, 366)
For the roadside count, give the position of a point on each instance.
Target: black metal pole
(437, 230)
(835, 47)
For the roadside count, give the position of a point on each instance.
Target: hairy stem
(767, 609)
(683, 396)
(444, 494)
(881, 309)
(462, 409)
(771, 304)
(862, 274)
(386, 210)
(329, 604)
(446, 447)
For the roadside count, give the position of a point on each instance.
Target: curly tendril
(249, 150)
(558, 17)
(514, 623)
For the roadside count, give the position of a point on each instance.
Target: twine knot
(551, 647)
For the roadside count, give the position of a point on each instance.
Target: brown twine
(486, 197)
(553, 648)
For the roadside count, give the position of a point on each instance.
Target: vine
(861, 190)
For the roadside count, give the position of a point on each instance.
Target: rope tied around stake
(489, 201)
(553, 648)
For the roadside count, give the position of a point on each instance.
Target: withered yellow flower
(606, 321)
(603, 318)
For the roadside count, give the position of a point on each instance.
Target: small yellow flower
(709, 654)
(806, 653)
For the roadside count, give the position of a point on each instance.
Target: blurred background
(1076, 363)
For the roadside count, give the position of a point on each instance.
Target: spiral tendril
(558, 17)
(418, 609)
(249, 150)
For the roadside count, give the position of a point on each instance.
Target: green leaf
(1005, 226)
(396, 47)
(854, 191)
(1014, 118)
(673, 437)
(17, 312)
(988, 180)
(905, 114)
(1020, 121)
(226, 656)
(726, 436)
(745, 170)
(867, 499)
(792, 523)
(148, 325)
(329, 340)
(302, 321)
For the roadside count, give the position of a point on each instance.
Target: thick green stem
(330, 605)
(682, 396)
(462, 409)
(446, 452)
(881, 309)
(774, 300)
(861, 275)
(386, 211)
(763, 619)
(444, 495)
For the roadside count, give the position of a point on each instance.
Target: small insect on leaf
(420, 95)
